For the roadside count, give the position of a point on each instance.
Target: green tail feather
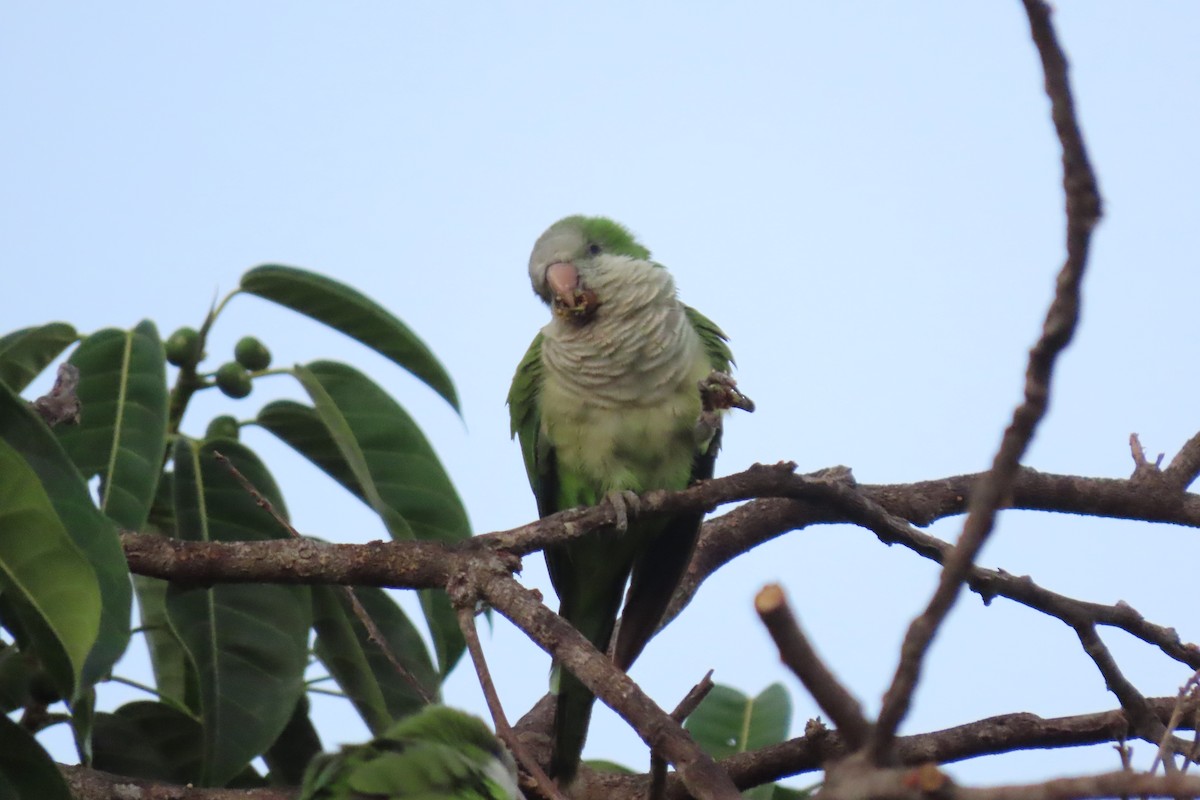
(590, 602)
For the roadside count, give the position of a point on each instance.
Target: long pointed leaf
(373, 447)
(354, 314)
(26, 352)
(123, 430)
(248, 641)
(121, 438)
(45, 513)
(357, 663)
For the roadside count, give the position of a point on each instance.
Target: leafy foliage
(230, 661)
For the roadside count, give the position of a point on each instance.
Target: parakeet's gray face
(580, 263)
(556, 270)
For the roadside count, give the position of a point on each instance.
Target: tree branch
(702, 777)
(1083, 211)
(802, 659)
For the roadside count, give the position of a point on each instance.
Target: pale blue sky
(865, 195)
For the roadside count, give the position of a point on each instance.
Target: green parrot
(622, 392)
(439, 753)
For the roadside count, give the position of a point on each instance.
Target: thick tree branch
(991, 736)
(93, 784)
(780, 502)
(922, 782)
(410, 565)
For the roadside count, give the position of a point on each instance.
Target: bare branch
(1111, 784)
(466, 623)
(802, 659)
(703, 778)
(1185, 702)
(689, 703)
(96, 785)
(1185, 466)
(1083, 211)
(1142, 720)
(410, 565)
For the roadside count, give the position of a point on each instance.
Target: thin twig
(1143, 468)
(1083, 211)
(373, 633)
(1142, 720)
(466, 623)
(1187, 692)
(689, 703)
(703, 778)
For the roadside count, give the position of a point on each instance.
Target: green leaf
(728, 722)
(249, 642)
(294, 748)
(26, 352)
(121, 437)
(123, 430)
(149, 740)
(26, 771)
(363, 439)
(354, 314)
(379, 693)
(174, 673)
(45, 515)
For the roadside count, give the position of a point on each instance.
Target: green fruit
(222, 427)
(183, 347)
(233, 380)
(252, 354)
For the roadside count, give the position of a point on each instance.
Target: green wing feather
(716, 343)
(526, 421)
(660, 566)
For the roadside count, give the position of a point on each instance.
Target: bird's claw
(719, 392)
(625, 504)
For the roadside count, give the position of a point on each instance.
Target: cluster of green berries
(232, 378)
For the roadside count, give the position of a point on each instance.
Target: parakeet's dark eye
(594, 249)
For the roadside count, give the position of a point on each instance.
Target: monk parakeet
(438, 753)
(622, 392)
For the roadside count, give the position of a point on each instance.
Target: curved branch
(1083, 212)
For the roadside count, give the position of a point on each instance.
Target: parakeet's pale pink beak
(563, 279)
